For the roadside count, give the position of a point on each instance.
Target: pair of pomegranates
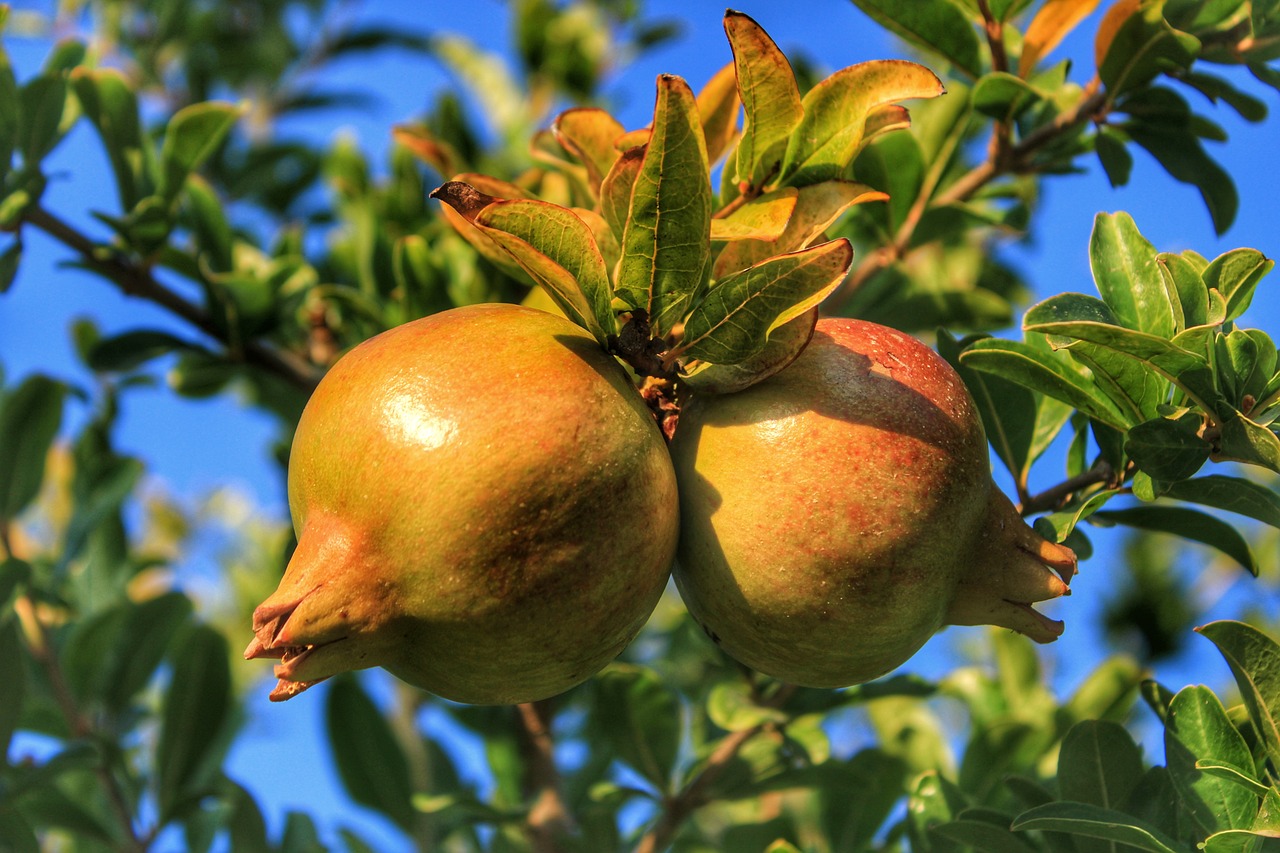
(486, 508)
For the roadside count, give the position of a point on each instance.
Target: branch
(134, 280)
(548, 823)
(1000, 161)
(677, 809)
(1054, 497)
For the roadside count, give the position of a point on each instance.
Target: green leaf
(13, 677)
(1043, 372)
(370, 761)
(551, 243)
(1057, 526)
(666, 242)
(1236, 274)
(130, 350)
(192, 135)
(644, 720)
(1254, 659)
(1235, 775)
(40, 110)
(1245, 441)
(10, 258)
(1233, 494)
(1097, 822)
(830, 134)
(936, 25)
(1001, 95)
(1198, 728)
(1180, 153)
(1189, 524)
(934, 801)
(730, 706)
(1115, 158)
(1019, 423)
(734, 319)
(1167, 449)
(1141, 47)
(109, 102)
(783, 347)
(1098, 764)
(1183, 279)
(30, 416)
(1241, 841)
(986, 830)
(1127, 275)
(195, 720)
(770, 99)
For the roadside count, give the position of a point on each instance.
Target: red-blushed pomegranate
(484, 507)
(839, 513)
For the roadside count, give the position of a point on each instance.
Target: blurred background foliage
(274, 249)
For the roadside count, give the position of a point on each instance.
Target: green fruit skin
(829, 511)
(485, 507)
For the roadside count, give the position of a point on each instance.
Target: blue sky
(192, 447)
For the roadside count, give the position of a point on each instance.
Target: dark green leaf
(936, 25)
(1127, 275)
(1182, 156)
(13, 677)
(1167, 449)
(1241, 841)
(770, 98)
(1246, 441)
(1098, 764)
(370, 762)
(857, 796)
(1057, 526)
(986, 830)
(300, 835)
(1233, 494)
(1254, 659)
(1216, 88)
(195, 721)
(644, 720)
(133, 349)
(733, 320)
(666, 244)
(1142, 47)
(1183, 279)
(783, 347)
(1189, 524)
(1097, 822)
(1001, 95)
(109, 102)
(935, 801)
(1198, 728)
(30, 416)
(1115, 158)
(9, 260)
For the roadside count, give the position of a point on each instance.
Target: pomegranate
(484, 507)
(838, 514)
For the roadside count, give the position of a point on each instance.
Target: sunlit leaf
(1127, 275)
(1236, 274)
(1233, 494)
(1051, 24)
(1246, 441)
(1057, 526)
(783, 347)
(1166, 449)
(589, 134)
(666, 241)
(764, 218)
(830, 134)
(718, 106)
(734, 319)
(1185, 284)
(770, 98)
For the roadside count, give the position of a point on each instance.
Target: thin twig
(677, 809)
(1054, 497)
(137, 281)
(548, 824)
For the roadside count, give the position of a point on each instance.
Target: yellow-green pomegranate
(484, 507)
(837, 514)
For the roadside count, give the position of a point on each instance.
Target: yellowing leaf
(1051, 24)
(424, 145)
(589, 135)
(718, 105)
(763, 218)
